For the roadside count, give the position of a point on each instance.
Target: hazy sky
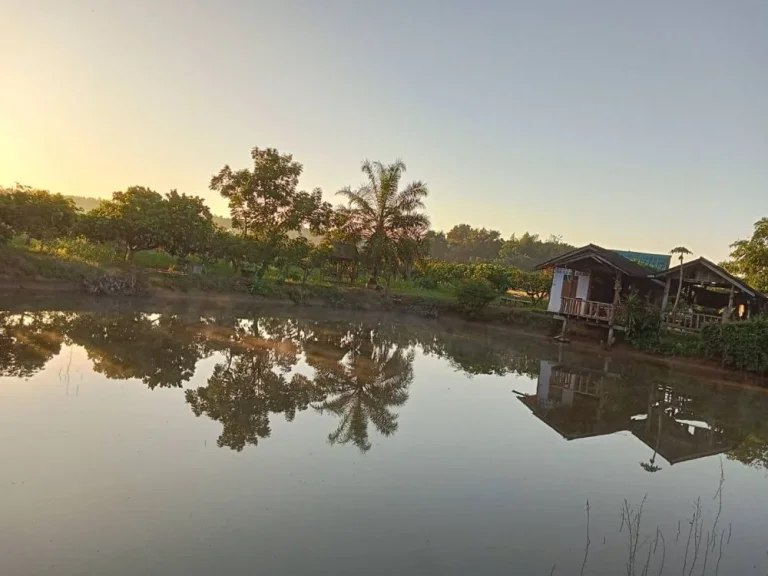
(637, 125)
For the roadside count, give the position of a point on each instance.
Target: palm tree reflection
(362, 378)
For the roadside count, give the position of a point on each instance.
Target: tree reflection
(159, 350)
(360, 372)
(28, 342)
(368, 379)
(253, 381)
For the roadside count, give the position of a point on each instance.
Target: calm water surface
(262, 443)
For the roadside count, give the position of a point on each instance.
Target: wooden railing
(586, 309)
(691, 321)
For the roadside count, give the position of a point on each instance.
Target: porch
(586, 309)
(688, 321)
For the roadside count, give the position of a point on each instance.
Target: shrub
(5, 233)
(741, 345)
(475, 294)
(426, 282)
(260, 287)
(498, 276)
(81, 249)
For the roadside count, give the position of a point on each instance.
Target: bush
(498, 276)
(426, 282)
(260, 287)
(741, 345)
(80, 249)
(5, 233)
(475, 294)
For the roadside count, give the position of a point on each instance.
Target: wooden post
(665, 299)
(729, 309)
(612, 319)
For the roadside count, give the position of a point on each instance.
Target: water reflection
(678, 419)
(361, 372)
(362, 377)
(28, 342)
(252, 381)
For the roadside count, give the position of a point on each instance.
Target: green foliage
(260, 287)
(6, 233)
(389, 221)
(642, 323)
(427, 282)
(535, 284)
(464, 243)
(141, 219)
(134, 219)
(36, 213)
(500, 277)
(307, 256)
(475, 294)
(187, 225)
(157, 259)
(641, 320)
(79, 249)
(740, 345)
(749, 258)
(266, 205)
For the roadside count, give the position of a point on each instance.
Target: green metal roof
(658, 262)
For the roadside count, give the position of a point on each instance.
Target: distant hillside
(87, 204)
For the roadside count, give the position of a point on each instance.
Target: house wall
(555, 293)
(582, 288)
(556, 290)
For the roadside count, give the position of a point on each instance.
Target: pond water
(261, 442)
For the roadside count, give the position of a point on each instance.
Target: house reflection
(580, 402)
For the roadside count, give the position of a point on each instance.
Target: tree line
(383, 224)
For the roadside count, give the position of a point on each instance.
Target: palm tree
(363, 387)
(383, 216)
(681, 251)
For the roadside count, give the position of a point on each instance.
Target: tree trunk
(373, 282)
(306, 275)
(679, 287)
(262, 270)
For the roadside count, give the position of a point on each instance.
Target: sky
(633, 125)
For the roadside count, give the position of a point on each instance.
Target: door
(570, 284)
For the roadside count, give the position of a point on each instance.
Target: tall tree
(384, 216)
(468, 244)
(749, 258)
(681, 251)
(187, 225)
(265, 203)
(36, 213)
(134, 219)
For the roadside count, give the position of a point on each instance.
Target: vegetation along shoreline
(375, 252)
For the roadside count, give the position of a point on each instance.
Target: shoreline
(354, 300)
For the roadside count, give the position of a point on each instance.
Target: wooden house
(708, 294)
(588, 284)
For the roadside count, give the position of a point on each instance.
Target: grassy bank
(39, 268)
